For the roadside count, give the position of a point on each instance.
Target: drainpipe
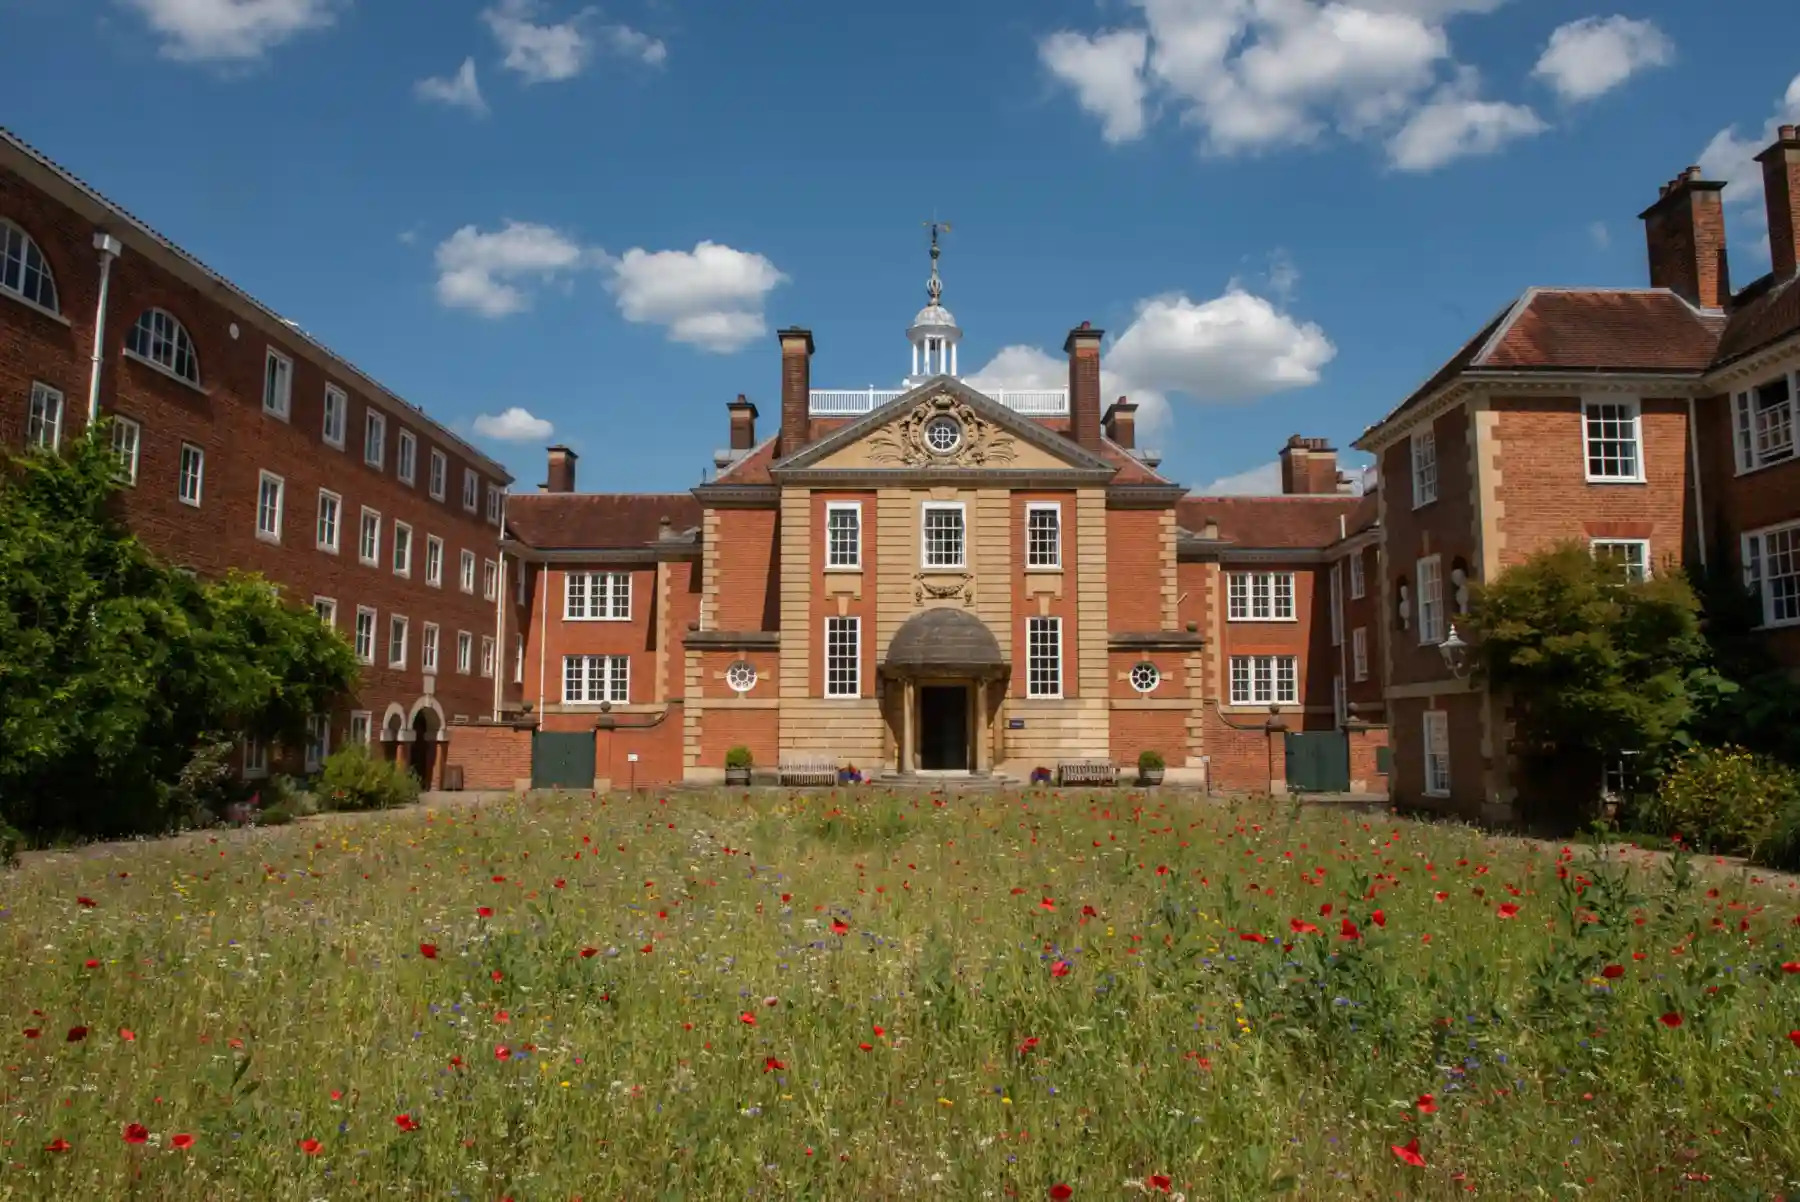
(501, 658)
(110, 248)
(1694, 471)
(543, 603)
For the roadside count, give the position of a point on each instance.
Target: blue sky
(1284, 213)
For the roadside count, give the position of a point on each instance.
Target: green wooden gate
(562, 759)
(1318, 761)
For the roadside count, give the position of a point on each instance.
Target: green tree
(115, 667)
(1592, 663)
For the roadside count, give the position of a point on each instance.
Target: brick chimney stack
(1083, 348)
(1685, 231)
(796, 390)
(1781, 192)
(1309, 467)
(743, 423)
(1120, 423)
(562, 470)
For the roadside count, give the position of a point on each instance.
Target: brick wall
(1243, 754)
(1135, 558)
(491, 756)
(655, 740)
(749, 569)
(1135, 730)
(1365, 745)
(725, 728)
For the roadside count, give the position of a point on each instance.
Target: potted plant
(738, 763)
(1150, 768)
(849, 775)
(1040, 777)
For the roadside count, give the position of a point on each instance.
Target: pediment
(944, 425)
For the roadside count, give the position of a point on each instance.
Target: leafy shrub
(1724, 799)
(1150, 761)
(354, 780)
(205, 786)
(279, 814)
(1781, 849)
(10, 843)
(738, 757)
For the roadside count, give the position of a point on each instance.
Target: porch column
(907, 738)
(981, 725)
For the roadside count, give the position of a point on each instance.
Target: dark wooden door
(562, 759)
(944, 728)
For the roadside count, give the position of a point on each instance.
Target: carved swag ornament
(983, 444)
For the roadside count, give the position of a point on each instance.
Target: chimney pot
(1308, 466)
(1790, 133)
(1120, 423)
(743, 423)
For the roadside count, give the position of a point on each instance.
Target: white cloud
(458, 91)
(1733, 160)
(513, 425)
(1263, 480)
(1600, 234)
(488, 272)
(544, 51)
(1457, 124)
(1107, 73)
(223, 30)
(711, 297)
(1592, 56)
(1284, 275)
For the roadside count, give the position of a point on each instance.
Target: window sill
(52, 314)
(1043, 569)
(336, 446)
(1418, 505)
(1763, 467)
(379, 465)
(944, 568)
(1445, 793)
(326, 547)
(160, 370)
(434, 584)
(263, 536)
(188, 503)
(368, 563)
(280, 415)
(436, 496)
(396, 667)
(567, 618)
(843, 697)
(1616, 480)
(1253, 621)
(846, 569)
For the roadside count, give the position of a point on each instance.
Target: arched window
(160, 339)
(23, 271)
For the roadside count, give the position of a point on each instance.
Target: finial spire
(934, 287)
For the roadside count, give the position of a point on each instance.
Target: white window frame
(1754, 548)
(194, 455)
(263, 531)
(493, 504)
(1032, 561)
(855, 562)
(487, 655)
(846, 682)
(375, 438)
(403, 548)
(583, 593)
(1745, 437)
(396, 657)
(326, 610)
(962, 559)
(434, 561)
(318, 741)
(1337, 605)
(362, 726)
(490, 580)
(44, 418)
(364, 631)
(436, 482)
(1424, 466)
(1359, 653)
(1263, 680)
(1634, 411)
(465, 576)
(1359, 586)
(1431, 599)
(329, 539)
(1639, 571)
(1247, 592)
(1039, 666)
(518, 659)
(368, 551)
(471, 489)
(335, 419)
(596, 679)
(278, 384)
(255, 757)
(127, 445)
(428, 648)
(465, 652)
(1435, 749)
(30, 258)
(406, 456)
(173, 335)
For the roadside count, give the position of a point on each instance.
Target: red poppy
(1379, 918)
(647, 948)
(1159, 1182)
(1637, 955)
(879, 1030)
(484, 911)
(1060, 968)
(786, 897)
(87, 903)
(588, 953)
(181, 1141)
(310, 1146)
(92, 964)
(502, 1052)
(406, 1122)
(1061, 1193)
(1613, 972)
(772, 1065)
(136, 1133)
(1670, 1020)
(558, 883)
(497, 975)
(58, 1145)
(1507, 910)
(1047, 904)
(1427, 1104)
(127, 1034)
(839, 927)
(1029, 1044)
(77, 1034)
(1248, 937)
(1302, 928)
(1088, 912)
(428, 950)
(747, 1018)
(1348, 930)
(1791, 966)
(1441, 896)
(1409, 1152)
(1794, 1038)
(32, 1032)
(865, 1047)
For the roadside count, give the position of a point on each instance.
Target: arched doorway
(948, 666)
(393, 729)
(425, 727)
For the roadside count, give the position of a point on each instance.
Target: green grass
(899, 957)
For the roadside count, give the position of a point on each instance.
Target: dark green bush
(354, 780)
(1150, 761)
(1724, 799)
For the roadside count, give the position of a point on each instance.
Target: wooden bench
(809, 770)
(1086, 772)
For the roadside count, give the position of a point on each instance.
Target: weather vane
(934, 287)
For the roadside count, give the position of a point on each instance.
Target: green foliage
(1593, 663)
(117, 669)
(355, 780)
(1724, 799)
(738, 757)
(1150, 761)
(205, 785)
(10, 843)
(1756, 710)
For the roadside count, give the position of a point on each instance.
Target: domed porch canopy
(944, 642)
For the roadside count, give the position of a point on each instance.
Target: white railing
(1032, 402)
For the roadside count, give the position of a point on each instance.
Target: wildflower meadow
(859, 995)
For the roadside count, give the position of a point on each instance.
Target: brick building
(934, 579)
(1656, 424)
(246, 444)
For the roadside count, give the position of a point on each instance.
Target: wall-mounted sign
(631, 757)
(1015, 724)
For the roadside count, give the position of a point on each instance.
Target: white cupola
(934, 332)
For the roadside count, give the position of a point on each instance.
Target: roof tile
(1272, 523)
(598, 521)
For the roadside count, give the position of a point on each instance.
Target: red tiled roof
(752, 468)
(1132, 470)
(1298, 522)
(1769, 311)
(598, 521)
(1630, 330)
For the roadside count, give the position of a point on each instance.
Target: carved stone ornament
(940, 587)
(903, 443)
